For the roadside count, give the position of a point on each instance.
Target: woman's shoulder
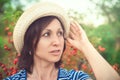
(72, 74)
(21, 75)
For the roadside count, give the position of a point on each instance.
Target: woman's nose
(56, 40)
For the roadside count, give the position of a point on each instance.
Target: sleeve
(72, 75)
(79, 75)
(18, 76)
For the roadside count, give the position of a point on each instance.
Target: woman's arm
(101, 68)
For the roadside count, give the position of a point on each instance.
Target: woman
(40, 36)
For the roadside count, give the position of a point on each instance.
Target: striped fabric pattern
(62, 75)
(72, 75)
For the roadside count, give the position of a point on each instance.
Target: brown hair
(31, 39)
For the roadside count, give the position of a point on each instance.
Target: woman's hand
(77, 36)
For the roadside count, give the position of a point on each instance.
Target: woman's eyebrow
(60, 29)
(51, 30)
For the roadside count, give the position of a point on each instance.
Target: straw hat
(33, 13)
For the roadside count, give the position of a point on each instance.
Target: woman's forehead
(54, 24)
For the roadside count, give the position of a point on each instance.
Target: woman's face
(51, 43)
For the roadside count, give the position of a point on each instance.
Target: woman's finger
(74, 25)
(71, 35)
(78, 26)
(69, 40)
(72, 29)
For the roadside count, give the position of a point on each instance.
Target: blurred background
(99, 18)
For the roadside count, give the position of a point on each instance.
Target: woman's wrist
(87, 48)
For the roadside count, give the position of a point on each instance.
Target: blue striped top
(62, 75)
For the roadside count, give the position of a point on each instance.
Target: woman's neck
(43, 70)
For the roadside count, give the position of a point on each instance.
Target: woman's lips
(55, 52)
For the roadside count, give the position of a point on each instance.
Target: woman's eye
(60, 33)
(46, 34)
